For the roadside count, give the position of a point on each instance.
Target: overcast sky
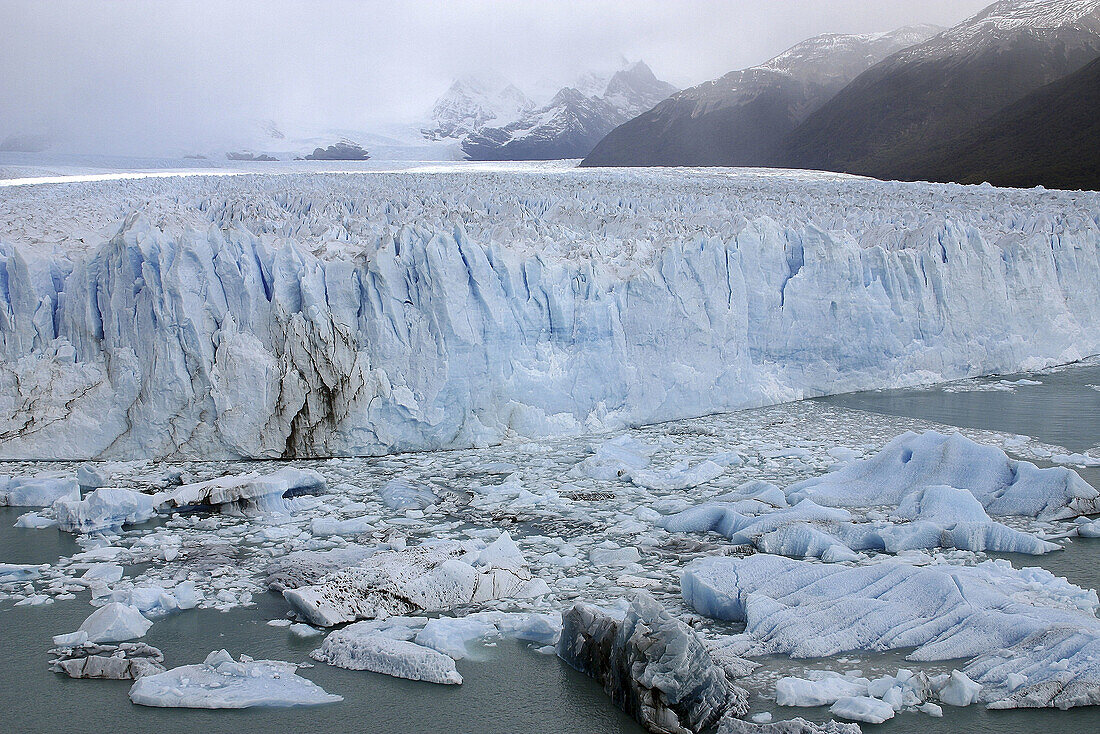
(143, 77)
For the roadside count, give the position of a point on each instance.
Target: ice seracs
(314, 311)
(220, 682)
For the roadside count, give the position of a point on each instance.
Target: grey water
(508, 689)
(1063, 410)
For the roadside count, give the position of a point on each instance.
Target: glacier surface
(353, 314)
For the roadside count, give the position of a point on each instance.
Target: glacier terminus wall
(309, 315)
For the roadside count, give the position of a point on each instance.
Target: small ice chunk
(862, 708)
(401, 494)
(326, 526)
(115, 622)
(959, 690)
(616, 459)
(107, 573)
(824, 691)
(34, 521)
(681, 476)
(304, 630)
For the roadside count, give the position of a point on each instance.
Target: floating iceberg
(959, 690)
(805, 609)
(106, 508)
(431, 577)
(913, 462)
(126, 661)
(862, 708)
(362, 648)
(400, 494)
(115, 622)
(821, 691)
(247, 492)
(222, 683)
(36, 491)
(929, 518)
(1057, 668)
(652, 665)
(157, 601)
(616, 458)
(1034, 638)
(731, 725)
(305, 568)
(725, 518)
(682, 476)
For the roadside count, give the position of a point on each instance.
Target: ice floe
(944, 611)
(220, 682)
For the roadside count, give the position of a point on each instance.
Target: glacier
(296, 315)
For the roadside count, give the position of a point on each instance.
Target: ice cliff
(316, 315)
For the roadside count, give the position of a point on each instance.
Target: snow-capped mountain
(911, 107)
(739, 118)
(473, 102)
(572, 122)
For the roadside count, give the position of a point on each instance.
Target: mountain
(739, 119)
(920, 103)
(572, 122)
(474, 101)
(1049, 137)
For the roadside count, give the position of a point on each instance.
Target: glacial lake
(509, 688)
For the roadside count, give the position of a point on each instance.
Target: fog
(168, 77)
